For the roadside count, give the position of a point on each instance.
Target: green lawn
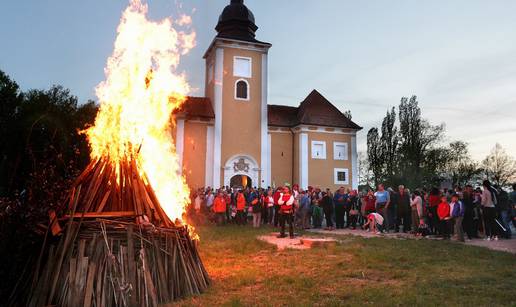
(357, 271)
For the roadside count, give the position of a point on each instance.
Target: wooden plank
(162, 279)
(88, 293)
(71, 279)
(82, 268)
(104, 201)
(131, 264)
(149, 283)
(101, 214)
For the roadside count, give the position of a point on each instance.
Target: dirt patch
(283, 243)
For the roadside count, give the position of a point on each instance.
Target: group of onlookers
(467, 212)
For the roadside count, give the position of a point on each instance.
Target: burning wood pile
(124, 240)
(118, 247)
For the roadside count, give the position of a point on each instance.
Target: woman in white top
(416, 205)
(488, 210)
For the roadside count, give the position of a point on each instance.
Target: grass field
(357, 271)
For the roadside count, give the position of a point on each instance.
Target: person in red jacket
(286, 212)
(240, 202)
(219, 207)
(443, 212)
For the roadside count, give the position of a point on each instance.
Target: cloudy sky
(458, 57)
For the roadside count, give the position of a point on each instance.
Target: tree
(499, 167)
(40, 126)
(41, 152)
(407, 153)
(10, 101)
(389, 146)
(374, 155)
(417, 137)
(460, 166)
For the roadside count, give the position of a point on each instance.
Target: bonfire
(123, 239)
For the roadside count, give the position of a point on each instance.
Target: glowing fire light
(141, 90)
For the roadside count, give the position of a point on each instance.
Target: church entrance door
(241, 170)
(241, 181)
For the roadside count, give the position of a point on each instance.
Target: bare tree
(500, 167)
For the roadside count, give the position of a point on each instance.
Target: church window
(242, 90)
(242, 67)
(340, 151)
(318, 150)
(341, 175)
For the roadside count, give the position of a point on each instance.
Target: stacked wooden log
(117, 247)
(115, 190)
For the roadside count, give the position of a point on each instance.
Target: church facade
(234, 137)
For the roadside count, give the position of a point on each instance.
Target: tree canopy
(409, 150)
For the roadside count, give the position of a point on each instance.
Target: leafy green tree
(461, 168)
(417, 137)
(41, 153)
(10, 102)
(374, 155)
(389, 146)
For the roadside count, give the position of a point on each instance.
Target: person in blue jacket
(457, 213)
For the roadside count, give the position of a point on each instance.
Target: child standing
(443, 212)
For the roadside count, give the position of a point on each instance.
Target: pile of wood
(115, 190)
(116, 247)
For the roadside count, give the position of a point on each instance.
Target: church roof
(283, 116)
(237, 22)
(314, 110)
(196, 107)
(317, 110)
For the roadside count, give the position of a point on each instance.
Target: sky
(458, 57)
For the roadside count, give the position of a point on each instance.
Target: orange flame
(141, 90)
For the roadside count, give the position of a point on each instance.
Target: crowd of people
(462, 213)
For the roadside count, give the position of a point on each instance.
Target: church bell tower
(236, 83)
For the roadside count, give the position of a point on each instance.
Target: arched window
(242, 90)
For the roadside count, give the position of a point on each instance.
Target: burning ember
(141, 90)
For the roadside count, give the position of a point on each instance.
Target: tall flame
(141, 90)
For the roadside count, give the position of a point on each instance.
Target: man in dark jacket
(469, 213)
(504, 209)
(341, 201)
(402, 202)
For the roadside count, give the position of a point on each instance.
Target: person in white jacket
(416, 205)
(286, 212)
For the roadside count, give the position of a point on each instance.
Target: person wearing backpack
(488, 211)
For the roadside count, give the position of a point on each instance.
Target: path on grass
(500, 245)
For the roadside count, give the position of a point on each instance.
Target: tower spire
(237, 22)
